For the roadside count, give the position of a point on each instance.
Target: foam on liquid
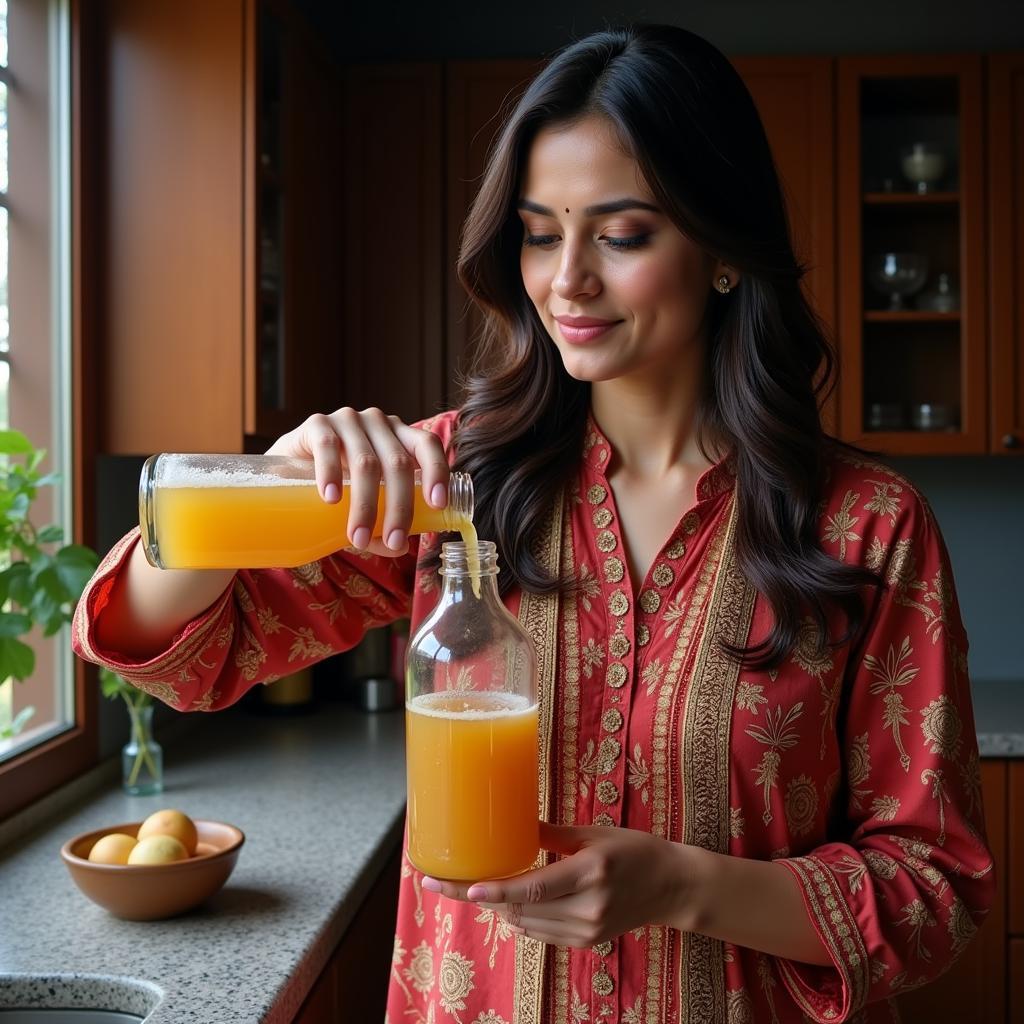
(446, 704)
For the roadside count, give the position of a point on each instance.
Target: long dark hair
(682, 111)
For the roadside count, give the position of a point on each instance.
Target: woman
(760, 778)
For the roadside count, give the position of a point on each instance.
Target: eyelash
(636, 242)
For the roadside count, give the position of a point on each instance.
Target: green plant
(39, 583)
(113, 686)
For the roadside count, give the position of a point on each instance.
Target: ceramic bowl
(147, 892)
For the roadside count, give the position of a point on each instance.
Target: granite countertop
(999, 717)
(321, 801)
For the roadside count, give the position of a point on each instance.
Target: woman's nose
(574, 276)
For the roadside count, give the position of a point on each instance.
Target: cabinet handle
(1011, 441)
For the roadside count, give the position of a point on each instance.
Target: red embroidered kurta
(857, 770)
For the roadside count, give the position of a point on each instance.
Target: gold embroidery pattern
(675, 550)
(602, 518)
(604, 819)
(663, 575)
(596, 494)
(603, 984)
(606, 541)
(888, 675)
(616, 675)
(643, 636)
(618, 604)
(942, 728)
(602, 948)
(611, 720)
(614, 570)
(836, 923)
(618, 646)
(658, 937)
(607, 792)
(704, 762)
(650, 601)
(801, 804)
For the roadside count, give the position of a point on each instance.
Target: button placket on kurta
(631, 621)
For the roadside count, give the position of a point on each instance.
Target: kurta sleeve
(909, 877)
(268, 623)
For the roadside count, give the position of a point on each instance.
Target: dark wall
(410, 30)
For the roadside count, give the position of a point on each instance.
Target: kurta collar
(597, 454)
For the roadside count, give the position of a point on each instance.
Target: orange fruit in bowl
(157, 849)
(170, 822)
(113, 848)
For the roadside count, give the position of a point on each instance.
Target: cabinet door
(1006, 257)
(910, 236)
(794, 98)
(478, 96)
(171, 227)
(392, 235)
(974, 988)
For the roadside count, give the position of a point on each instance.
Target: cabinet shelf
(909, 316)
(911, 199)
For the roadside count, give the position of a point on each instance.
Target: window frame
(41, 769)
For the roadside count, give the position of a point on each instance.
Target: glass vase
(142, 759)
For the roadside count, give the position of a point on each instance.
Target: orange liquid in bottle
(472, 774)
(273, 526)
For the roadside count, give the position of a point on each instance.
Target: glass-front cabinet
(911, 254)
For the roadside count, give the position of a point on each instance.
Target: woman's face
(621, 291)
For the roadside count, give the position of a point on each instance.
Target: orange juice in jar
(471, 729)
(261, 511)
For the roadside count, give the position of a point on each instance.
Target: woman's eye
(635, 242)
(540, 239)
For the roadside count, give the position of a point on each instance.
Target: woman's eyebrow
(615, 206)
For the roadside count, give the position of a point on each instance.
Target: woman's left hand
(608, 881)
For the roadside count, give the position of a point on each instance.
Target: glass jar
(471, 728)
(260, 512)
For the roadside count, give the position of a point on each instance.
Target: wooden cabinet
(353, 986)
(392, 238)
(911, 208)
(184, 357)
(1006, 256)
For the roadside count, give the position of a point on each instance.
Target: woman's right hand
(371, 446)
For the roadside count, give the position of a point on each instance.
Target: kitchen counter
(321, 801)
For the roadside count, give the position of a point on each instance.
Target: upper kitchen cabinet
(393, 231)
(1006, 250)
(912, 297)
(220, 308)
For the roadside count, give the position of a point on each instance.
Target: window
(35, 334)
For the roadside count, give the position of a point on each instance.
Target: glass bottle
(260, 511)
(471, 728)
(142, 758)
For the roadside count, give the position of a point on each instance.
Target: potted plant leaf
(41, 578)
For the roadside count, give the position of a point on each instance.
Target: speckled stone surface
(999, 717)
(321, 801)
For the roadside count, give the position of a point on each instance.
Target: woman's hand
(371, 446)
(609, 881)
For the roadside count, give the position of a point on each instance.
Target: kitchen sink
(75, 999)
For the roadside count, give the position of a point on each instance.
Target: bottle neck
(459, 512)
(469, 570)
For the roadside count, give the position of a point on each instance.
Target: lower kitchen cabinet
(353, 987)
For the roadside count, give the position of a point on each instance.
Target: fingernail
(396, 538)
(361, 537)
(331, 493)
(439, 496)
(477, 892)
(431, 884)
